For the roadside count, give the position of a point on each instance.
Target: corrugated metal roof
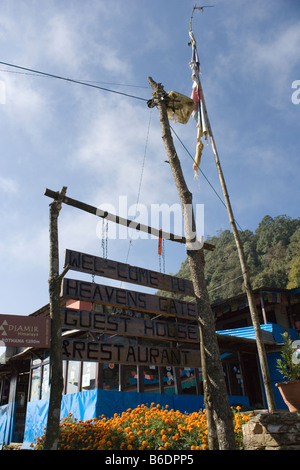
(270, 332)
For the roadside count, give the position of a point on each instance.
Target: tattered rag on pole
(199, 112)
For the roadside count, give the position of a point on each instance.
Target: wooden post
(247, 283)
(215, 378)
(55, 279)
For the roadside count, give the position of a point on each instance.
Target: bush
(144, 428)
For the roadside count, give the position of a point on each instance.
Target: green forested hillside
(272, 253)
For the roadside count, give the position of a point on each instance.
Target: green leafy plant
(287, 365)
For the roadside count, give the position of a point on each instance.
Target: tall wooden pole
(55, 280)
(217, 393)
(247, 283)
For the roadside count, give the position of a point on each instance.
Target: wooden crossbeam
(121, 220)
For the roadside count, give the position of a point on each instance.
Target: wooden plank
(98, 266)
(121, 220)
(99, 322)
(116, 297)
(118, 353)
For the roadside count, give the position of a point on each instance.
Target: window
(232, 373)
(45, 382)
(130, 377)
(88, 375)
(35, 384)
(151, 379)
(110, 376)
(73, 377)
(188, 381)
(4, 391)
(168, 380)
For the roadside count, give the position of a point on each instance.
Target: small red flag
(160, 242)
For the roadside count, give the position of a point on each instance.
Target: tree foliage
(272, 254)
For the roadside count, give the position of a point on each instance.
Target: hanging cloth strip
(160, 243)
(199, 112)
(161, 252)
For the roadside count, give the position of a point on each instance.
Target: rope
(104, 241)
(141, 178)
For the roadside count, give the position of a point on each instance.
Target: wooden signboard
(147, 328)
(114, 296)
(25, 331)
(124, 272)
(118, 353)
(78, 349)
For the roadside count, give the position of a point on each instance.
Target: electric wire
(38, 72)
(90, 84)
(216, 288)
(79, 80)
(204, 176)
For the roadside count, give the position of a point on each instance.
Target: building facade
(93, 388)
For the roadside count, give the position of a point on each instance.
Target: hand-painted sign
(25, 331)
(99, 322)
(119, 353)
(124, 272)
(108, 295)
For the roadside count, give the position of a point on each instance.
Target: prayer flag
(199, 112)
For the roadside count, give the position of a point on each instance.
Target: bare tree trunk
(216, 392)
(56, 378)
(211, 427)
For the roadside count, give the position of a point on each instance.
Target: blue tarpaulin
(94, 403)
(6, 417)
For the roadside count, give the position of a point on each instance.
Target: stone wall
(272, 431)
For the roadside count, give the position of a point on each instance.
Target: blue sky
(56, 133)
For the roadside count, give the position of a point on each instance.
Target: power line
(91, 85)
(72, 81)
(79, 80)
(204, 176)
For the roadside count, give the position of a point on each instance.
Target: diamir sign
(25, 331)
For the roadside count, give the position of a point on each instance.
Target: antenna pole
(247, 282)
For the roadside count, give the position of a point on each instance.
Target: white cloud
(62, 38)
(112, 146)
(275, 59)
(8, 185)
